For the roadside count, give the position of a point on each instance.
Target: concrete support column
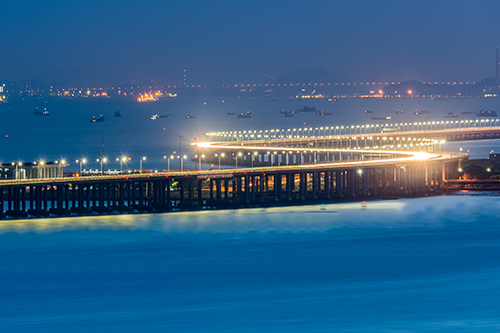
(132, 194)
(60, 197)
(141, 192)
(2, 210)
(277, 186)
(247, 188)
(315, 189)
(190, 192)
(398, 178)
(365, 175)
(101, 195)
(211, 182)
(182, 185)
(200, 193)
(327, 183)
(339, 183)
(384, 179)
(16, 197)
(168, 198)
(80, 197)
(121, 199)
(226, 190)
(239, 189)
(23, 199)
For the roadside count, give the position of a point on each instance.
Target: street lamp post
(183, 158)
(82, 161)
(122, 160)
(180, 151)
(239, 154)
(199, 163)
(102, 160)
(140, 162)
(253, 156)
(221, 154)
(171, 157)
(17, 169)
(61, 166)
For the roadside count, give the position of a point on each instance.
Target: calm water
(68, 134)
(412, 265)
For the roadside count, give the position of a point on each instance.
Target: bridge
(277, 172)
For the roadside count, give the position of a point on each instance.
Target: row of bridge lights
(104, 160)
(124, 161)
(39, 164)
(278, 132)
(409, 143)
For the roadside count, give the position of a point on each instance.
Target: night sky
(224, 42)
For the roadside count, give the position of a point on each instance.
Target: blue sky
(228, 41)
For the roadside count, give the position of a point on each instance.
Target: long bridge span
(305, 173)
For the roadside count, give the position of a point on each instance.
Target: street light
(171, 157)
(254, 154)
(103, 160)
(82, 161)
(140, 162)
(199, 163)
(61, 166)
(17, 168)
(221, 154)
(239, 154)
(182, 164)
(122, 160)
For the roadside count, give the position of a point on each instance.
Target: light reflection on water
(282, 219)
(315, 218)
(407, 265)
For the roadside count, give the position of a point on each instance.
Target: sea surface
(409, 265)
(68, 133)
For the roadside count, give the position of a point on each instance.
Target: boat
(399, 112)
(157, 116)
(229, 113)
(369, 111)
(381, 118)
(484, 113)
(284, 113)
(421, 112)
(467, 112)
(97, 120)
(451, 115)
(41, 113)
(322, 113)
(243, 115)
(190, 117)
(306, 109)
(117, 113)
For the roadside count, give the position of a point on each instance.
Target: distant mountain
(316, 76)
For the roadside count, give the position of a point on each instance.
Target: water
(412, 265)
(67, 133)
